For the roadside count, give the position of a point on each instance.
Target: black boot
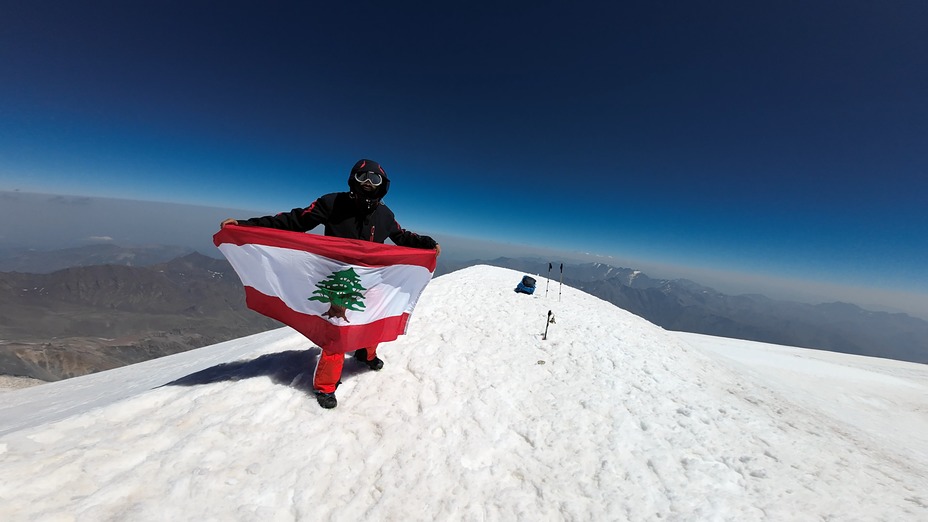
(326, 400)
(374, 364)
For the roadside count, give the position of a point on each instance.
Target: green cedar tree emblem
(342, 290)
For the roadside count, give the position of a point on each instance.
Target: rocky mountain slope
(85, 319)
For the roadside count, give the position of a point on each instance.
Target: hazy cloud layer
(50, 222)
(47, 222)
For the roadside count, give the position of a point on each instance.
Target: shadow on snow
(294, 368)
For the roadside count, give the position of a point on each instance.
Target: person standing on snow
(357, 214)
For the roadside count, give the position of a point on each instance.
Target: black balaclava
(369, 200)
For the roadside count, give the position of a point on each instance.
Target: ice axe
(549, 320)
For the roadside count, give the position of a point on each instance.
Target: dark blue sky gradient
(785, 138)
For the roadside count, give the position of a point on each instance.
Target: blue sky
(785, 139)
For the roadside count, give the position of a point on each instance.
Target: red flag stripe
(337, 339)
(350, 251)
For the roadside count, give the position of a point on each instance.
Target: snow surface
(476, 417)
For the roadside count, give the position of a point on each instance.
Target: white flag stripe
(292, 275)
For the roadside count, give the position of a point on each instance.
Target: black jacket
(346, 215)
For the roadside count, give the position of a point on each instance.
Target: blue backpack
(526, 286)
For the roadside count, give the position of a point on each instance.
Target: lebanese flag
(342, 294)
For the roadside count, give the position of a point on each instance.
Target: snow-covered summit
(476, 417)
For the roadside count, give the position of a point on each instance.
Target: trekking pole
(547, 322)
(548, 280)
(562, 283)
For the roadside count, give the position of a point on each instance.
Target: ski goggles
(373, 178)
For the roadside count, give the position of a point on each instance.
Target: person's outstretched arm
(298, 219)
(403, 237)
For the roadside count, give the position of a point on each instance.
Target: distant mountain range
(84, 319)
(44, 261)
(114, 306)
(683, 305)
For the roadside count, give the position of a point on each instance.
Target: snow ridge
(474, 417)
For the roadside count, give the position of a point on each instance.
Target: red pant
(329, 369)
